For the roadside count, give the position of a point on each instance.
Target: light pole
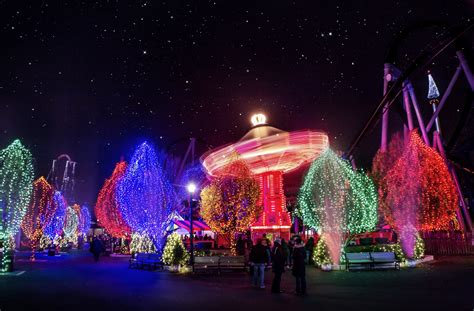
(191, 188)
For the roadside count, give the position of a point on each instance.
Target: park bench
(145, 260)
(232, 263)
(206, 264)
(372, 260)
(358, 260)
(384, 260)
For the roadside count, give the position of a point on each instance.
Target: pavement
(74, 282)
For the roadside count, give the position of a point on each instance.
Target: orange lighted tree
(40, 212)
(229, 203)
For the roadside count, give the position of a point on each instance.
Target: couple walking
(259, 257)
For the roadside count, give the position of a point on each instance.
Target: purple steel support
(444, 98)
(418, 113)
(406, 102)
(464, 222)
(465, 67)
(386, 78)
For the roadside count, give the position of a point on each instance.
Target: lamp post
(191, 188)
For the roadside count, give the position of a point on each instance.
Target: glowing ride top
(265, 149)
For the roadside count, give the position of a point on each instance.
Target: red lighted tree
(107, 207)
(420, 180)
(229, 203)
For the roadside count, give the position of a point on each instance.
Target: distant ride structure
(62, 176)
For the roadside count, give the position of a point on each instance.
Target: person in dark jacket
(291, 245)
(286, 251)
(309, 251)
(278, 265)
(299, 269)
(96, 248)
(258, 259)
(240, 246)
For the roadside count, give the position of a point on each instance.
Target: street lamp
(191, 187)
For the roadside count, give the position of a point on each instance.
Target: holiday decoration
(382, 163)
(269, 153)
(337, 200)
(141, 243)
(16, 186)
(419, 183)
(145, 196)
(55, 227)
(229, 203)
(334, 197)
(71, 224)
(39, 213)
(175, 252)
(107, 208)
(321, 254)
(84, 221)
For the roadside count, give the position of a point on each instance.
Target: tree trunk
(233, 246)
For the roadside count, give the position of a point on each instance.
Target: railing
(448, 243)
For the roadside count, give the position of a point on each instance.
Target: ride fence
(448, 243)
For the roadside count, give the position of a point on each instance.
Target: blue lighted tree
(55, 227)
(145, 196)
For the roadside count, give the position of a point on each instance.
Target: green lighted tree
(174, 252)
(16, 186)
(337, 200)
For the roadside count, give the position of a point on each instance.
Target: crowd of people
(282, 256)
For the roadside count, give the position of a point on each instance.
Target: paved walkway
(74, 282)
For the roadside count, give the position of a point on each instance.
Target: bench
(206, 264)
(145, 260)
(372, 260)
(232, 263)
(360, 260)
(384, 260)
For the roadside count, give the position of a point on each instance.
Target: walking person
(309, 251)
(299, 269)
(240, 246)
(96, 248)
(278, 265)
(291, 245)
(258, 259)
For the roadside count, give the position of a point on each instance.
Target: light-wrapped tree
(146, 197)
(337, 200)
(16, 186)
(229, 203)
(175, 252)
(39, 213)
(107, 208)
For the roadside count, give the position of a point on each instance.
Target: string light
(39, 213)
(229, 203)
(84, 221)
(71, 223)
(107, 208)
(141, 243)
(145, 196)
(55, 227)
(16, 186)
(335, 198)
(420, 176)
(175, 252)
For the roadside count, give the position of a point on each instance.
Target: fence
(448, 243)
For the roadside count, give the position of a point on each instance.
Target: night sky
(94, 79)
